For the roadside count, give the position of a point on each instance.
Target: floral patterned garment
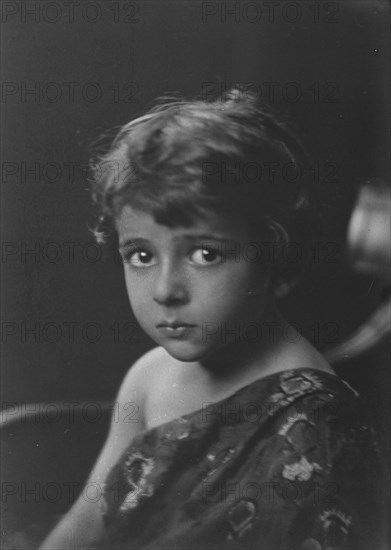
(284, 463)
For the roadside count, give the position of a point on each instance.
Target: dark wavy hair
(232, 155)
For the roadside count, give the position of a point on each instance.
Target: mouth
(174, 328)
(174, 324)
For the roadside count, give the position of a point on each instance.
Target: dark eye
(206, 255)
(139, 258)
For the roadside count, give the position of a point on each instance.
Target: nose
(170, 287)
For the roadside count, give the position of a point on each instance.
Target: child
(245, 437)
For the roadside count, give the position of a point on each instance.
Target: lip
(175, 329)
(174, 324)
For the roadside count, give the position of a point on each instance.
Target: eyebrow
(129, 241)
(204, 237)
(141, 240)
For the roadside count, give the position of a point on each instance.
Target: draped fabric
(287, 462)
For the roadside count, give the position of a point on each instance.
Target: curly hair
(232, 155)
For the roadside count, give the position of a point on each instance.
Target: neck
(238, 357)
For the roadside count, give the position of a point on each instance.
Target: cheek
(228, 296)
(137, 292)
(213, 294)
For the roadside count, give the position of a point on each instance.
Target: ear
(282, 288)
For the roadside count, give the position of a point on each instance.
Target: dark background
(336, 53)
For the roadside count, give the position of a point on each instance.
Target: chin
(183, 351)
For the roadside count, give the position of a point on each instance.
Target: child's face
(200, 280)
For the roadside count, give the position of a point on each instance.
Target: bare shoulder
(128, 414)
(141, 376)
(145, 367)
(152, 358)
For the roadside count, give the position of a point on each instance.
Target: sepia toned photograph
(196, 275)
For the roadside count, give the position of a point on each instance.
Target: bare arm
(83, 525)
